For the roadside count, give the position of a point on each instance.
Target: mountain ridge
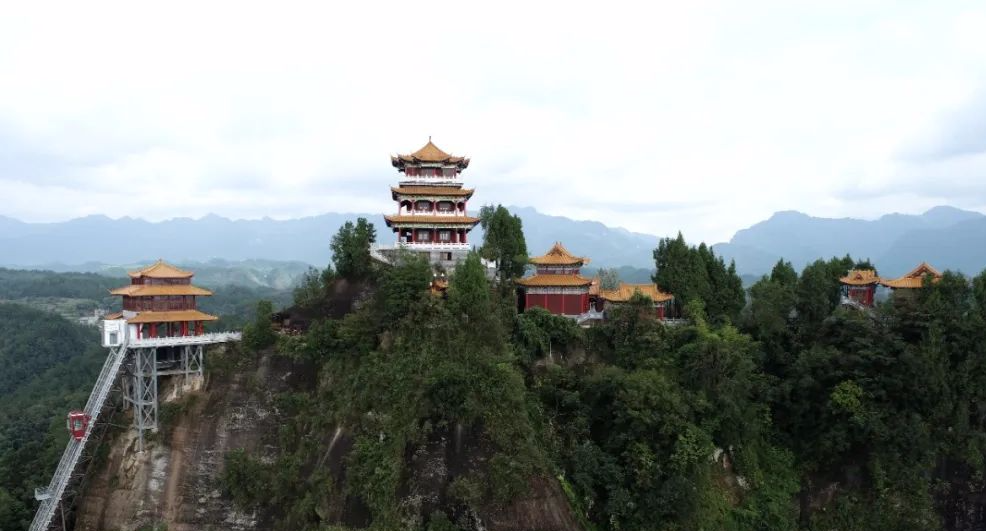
(945, 236)
(98, 239)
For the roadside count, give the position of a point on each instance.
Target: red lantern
(77, 422)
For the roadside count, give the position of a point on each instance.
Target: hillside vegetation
(787, 412)
(49, 365)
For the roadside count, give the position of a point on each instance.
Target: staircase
(52, 494)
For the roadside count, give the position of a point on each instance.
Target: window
(445, 235)
(424, 236)
(422, 206)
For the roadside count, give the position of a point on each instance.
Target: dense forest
(772, 409)
(49, 365)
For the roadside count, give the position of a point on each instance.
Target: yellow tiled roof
(171, 317)
(453, 191)
(625, 291)
(161, 269)
(860, 277)
(438, 220)
(144, 290)
(913, 279)
(430, 153)
(558, 255)
(554, 281)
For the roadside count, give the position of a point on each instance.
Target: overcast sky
(697, 116)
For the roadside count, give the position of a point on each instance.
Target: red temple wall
(559, 304)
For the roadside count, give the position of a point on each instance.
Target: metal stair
(51, 495)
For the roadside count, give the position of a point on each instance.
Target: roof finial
(429, 138)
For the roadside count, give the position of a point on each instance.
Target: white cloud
(699, 116)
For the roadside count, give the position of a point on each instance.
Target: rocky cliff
(175, 483)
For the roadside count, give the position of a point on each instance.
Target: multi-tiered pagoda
(556, 284)
(160, 302)
(431, 205)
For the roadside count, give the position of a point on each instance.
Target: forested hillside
(782, 413)
(48, 365)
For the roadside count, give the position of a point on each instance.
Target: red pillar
(198, 328)
(153, 329)
(464, 231)
(184, 328)
(414, 235)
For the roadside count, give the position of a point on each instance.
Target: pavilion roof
(429, 153)
(560, 281)
(161, 269)
(171, 317)
(915, 278)
(431, 220)
(624, 292)
(558, 255)
(149, 290)
(452, 191)
(860, 277)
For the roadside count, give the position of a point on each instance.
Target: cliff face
(174, 481)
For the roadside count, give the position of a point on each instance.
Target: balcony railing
(438, 246)
(175, 341)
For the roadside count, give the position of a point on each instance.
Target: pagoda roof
(562, 281)
(161, 269)
(149, 290)
(624, 292)
(429, 154)
(171, 317)
(431, 220)
(860, 277)
(915, 278)
(451, 191)
(558, 255)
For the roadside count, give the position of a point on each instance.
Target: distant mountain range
(91, 242)
(945, 237)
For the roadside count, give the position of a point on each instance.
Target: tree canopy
(503, 241)
(351, 249)
(696, 273)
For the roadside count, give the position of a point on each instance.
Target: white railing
(204, 339)
(436, 246)
(51, 495)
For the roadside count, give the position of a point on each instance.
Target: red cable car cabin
(77, 422)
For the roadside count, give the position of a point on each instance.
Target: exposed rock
(174, 482)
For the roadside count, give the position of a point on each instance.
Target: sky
(699, 116)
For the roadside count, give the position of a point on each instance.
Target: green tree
(680, 270)
(403, 286)
(351, 249)
(696, 273)
(818, 290)
(503, 242)
(312, 292)
(260, 334)
(469, 291)
(783, 273)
